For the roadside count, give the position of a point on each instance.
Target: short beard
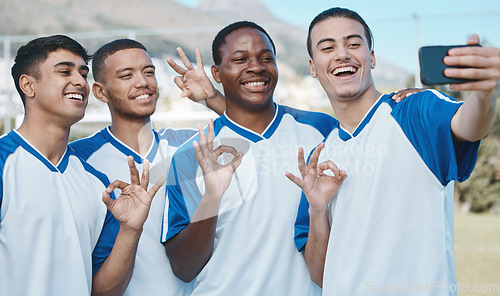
(130, 115)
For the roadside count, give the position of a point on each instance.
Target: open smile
(75, 96)
(142, 97)
(345, 71)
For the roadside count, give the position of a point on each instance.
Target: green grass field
(477, 254)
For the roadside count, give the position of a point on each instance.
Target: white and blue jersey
(152, 272)
(55, 231)
(392, 219)
(253, 252)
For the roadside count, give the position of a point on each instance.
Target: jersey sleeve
(110, 227)
(182, 192)
(177, 137)
(302, 224)
(7, 147)
(425, 119)
(105, 242)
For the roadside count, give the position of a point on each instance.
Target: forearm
(216, 103)
(316, 246)
(475, 117)
(191, 248)
(115, 273)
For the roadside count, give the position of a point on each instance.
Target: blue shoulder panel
(425, 118)
(85, 147)
(181, 189)
(7, 147)
(324, 123)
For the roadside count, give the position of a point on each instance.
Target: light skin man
(50, 74)
(428, 134)
(125, 80)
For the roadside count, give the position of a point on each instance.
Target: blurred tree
(482, 190)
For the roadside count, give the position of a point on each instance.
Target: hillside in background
(163, 25)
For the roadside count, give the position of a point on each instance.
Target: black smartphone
(432, 65)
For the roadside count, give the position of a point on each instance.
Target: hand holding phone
(432, 65)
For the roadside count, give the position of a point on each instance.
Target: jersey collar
(59, 167)
(346, 135)
(126, 150)
(251, 135)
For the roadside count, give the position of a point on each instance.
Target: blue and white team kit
(392, 219)
(152, 272)
(55, 231)
(253, 253)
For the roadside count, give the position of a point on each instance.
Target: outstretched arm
(191, 248)
(319, 189)
(195, 83)
(131, 210)
(475, 117)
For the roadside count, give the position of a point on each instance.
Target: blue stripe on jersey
(7, 147)
(302, 224)
(324, 123)
(183, 168)
(125, 150)
(367, 118)
(243, 132)
(87, 146)
(110, 227)
(176, 137)
(156, 144)
(302, 221)
(21, 142)
(184, 164)
(345, 135)
(105, 242)
(276, 122)
(425, 118)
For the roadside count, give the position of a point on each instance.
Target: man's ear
(215, 73)
(312, 69)
(27, 85)
(99, 92)
(372, 59)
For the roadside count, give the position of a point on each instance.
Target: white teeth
(75, 96)
(344, 69)
(141, 97)
(251, 84)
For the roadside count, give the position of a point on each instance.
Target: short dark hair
(220, 38)
(35, 52)
(108, 49)
(340, 12)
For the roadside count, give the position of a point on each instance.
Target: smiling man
(390, 228)
(125, 80)
(240, 242)
(56, 235)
